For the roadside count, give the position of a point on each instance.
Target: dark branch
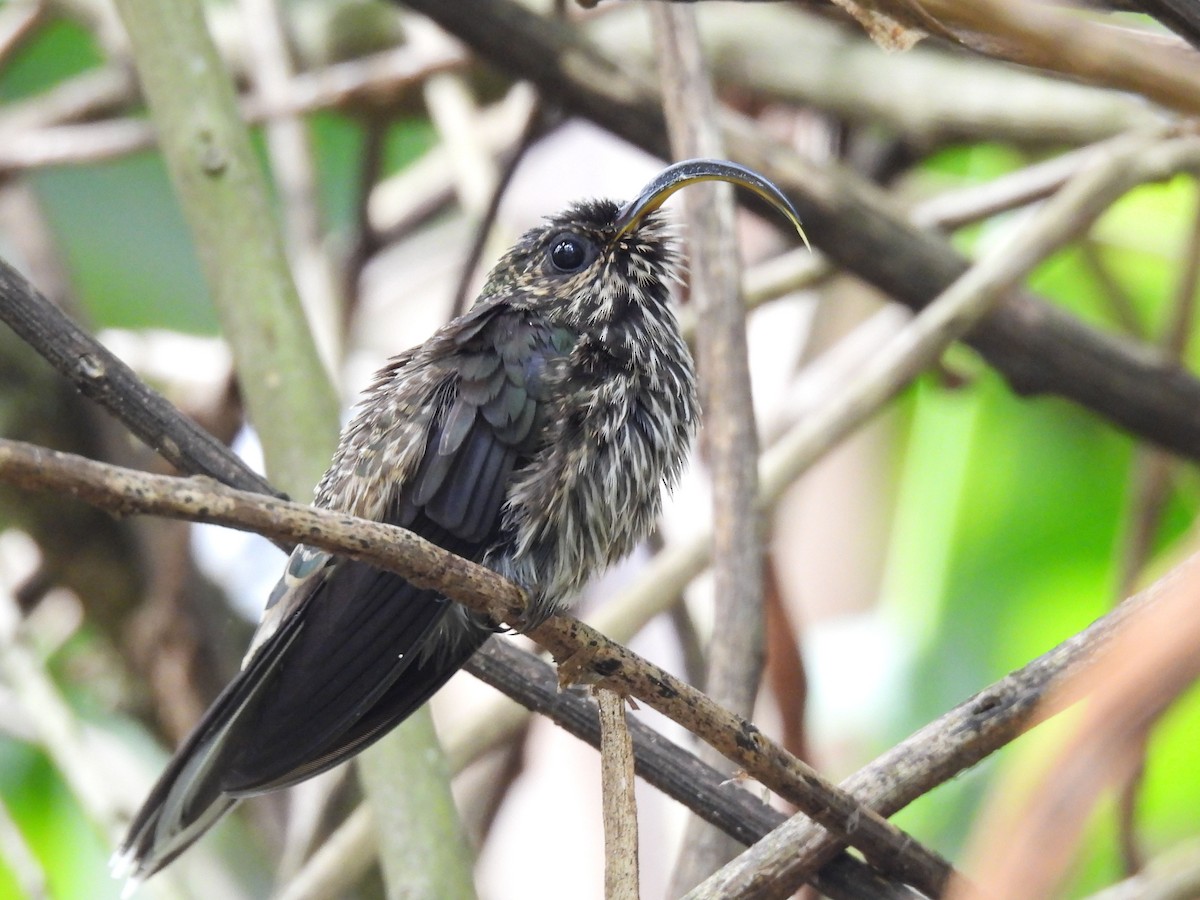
(103, 378)
(1181, 16)
(1037, 347)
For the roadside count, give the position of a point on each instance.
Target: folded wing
(347, 650)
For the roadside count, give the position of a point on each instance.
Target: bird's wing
(348, 659)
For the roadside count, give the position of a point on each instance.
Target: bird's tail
(360, 652)
(188, 799)
(219, 763)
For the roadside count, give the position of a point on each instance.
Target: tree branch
(100, 376)
(225, 200)
(579, 648)
(676, 772)
(730, 434)
(621, 872)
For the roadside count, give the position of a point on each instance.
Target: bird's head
(598, 259)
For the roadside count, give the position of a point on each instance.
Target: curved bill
(681, 174)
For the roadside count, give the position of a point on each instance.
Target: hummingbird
(534, 435)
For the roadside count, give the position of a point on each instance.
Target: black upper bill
(689, 171)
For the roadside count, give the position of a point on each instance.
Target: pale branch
(729, 438)
(60, 127)
(537, 123)
(621, 871)
(800, 269)
(226, 202)
(271, 69)
(1058, 40)
(780, 53)
(87, 97)
(952, 209)
(582, 649)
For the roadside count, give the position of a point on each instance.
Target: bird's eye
(570, 252)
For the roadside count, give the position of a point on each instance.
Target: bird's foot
(536, 611)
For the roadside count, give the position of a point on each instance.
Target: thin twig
(40, 132)
(425, 186)
(1120, 304)
(293, 167)
(454, 112)
(535, 125)
(729, 436)
(620, 807)
(962, 206)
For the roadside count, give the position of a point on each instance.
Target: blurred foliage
(68, 848)
(60, 49)
(1011, 519)
(1006, 533)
